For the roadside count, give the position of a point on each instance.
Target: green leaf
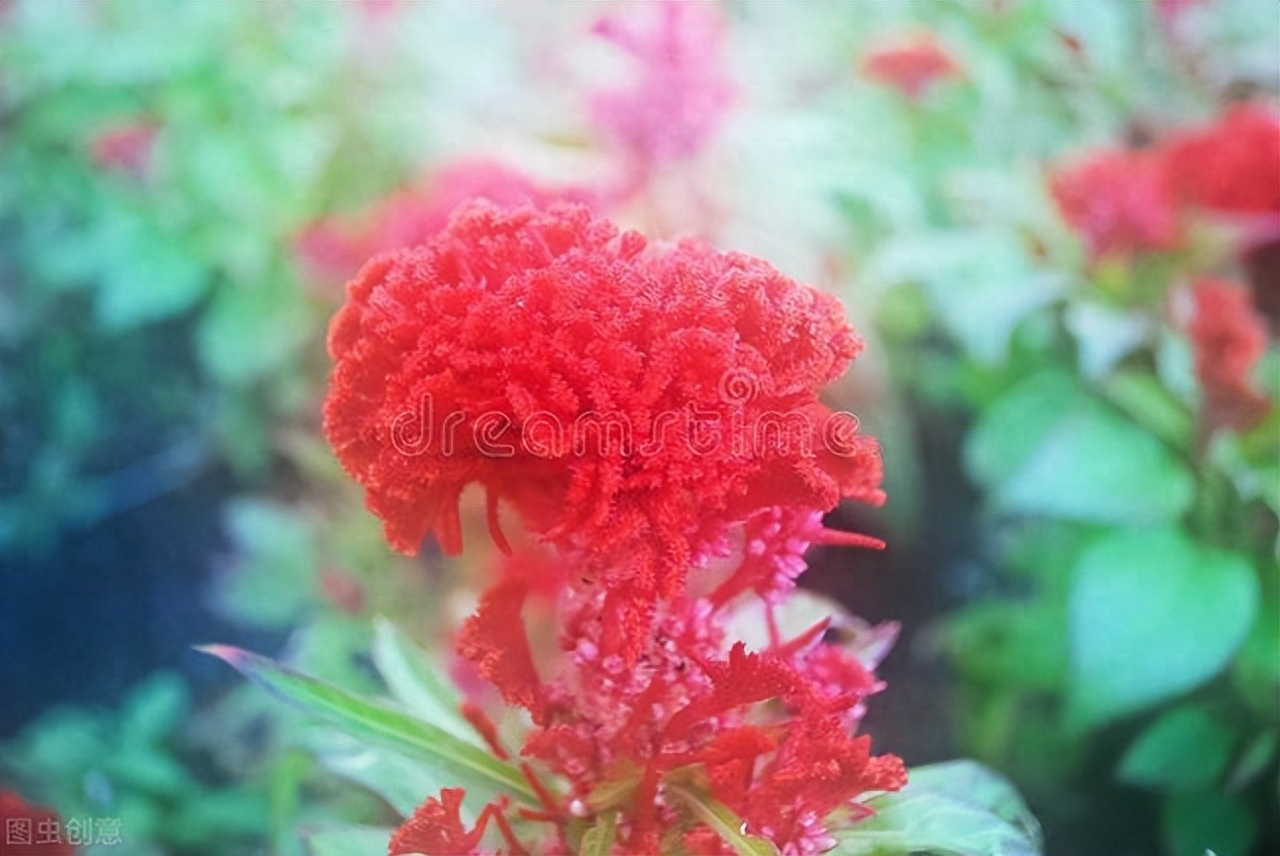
(1256, 757)
(979, 281)
(415, 682)
(247, 332)
(978, 785)
(369, 721)
(154, 709)
(599, 839)
(1011, 644)
(954, 809)
(1047, 447)
(273, 578)
(345, 840)
(1207, 821)
(1185, 749)
(1152, 615)
(724, 821)
(402, 782)
(148, 277)
(1104, 335)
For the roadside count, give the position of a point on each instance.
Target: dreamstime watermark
(543, 434)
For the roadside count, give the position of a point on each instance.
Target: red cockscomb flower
(630, 401)
(29, 830)
(339, 245)
(1231, 166)
(680, 93)
(1119, 201)
(1229, 339)
(911, 66)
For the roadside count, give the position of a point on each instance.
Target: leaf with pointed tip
(421, 741)
(416, 684)
(953, 809)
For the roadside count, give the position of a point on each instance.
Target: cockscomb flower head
(630, 401)
(339, 245)
(1230, 167)
(1120, 202)
(679, 94)
(1229, 339)
(912, 65)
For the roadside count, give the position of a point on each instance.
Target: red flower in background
(501, 352)
(679, 94)
(124, 148)
(912, 66)
(29, 830)
(1229, 339)
(1231, 166)
(406, 218)
(1121, 202)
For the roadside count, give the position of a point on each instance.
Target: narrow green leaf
(415, 682)
(365, 720)
(598, 840)
(725, 822)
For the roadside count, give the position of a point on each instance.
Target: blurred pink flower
(680, 92)
(124, 148)
(1229, 339)
(911, 65)
(1231, 166)
(339, 245)
(1119, 201)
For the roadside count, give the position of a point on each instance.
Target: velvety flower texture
(912, 65)
(1229, 339)
(1231, 166)
(678, 94)
(1121, 202)
(630, 401)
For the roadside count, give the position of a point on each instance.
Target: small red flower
(912, 66)
(1120, 202)
(124, 148)
(1231, 166)
(29, 830)
(679, 94)
(631, 401)
(1229, 339)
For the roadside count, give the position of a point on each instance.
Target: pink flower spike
(680, 92)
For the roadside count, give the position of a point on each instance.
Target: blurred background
(1057, 225)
